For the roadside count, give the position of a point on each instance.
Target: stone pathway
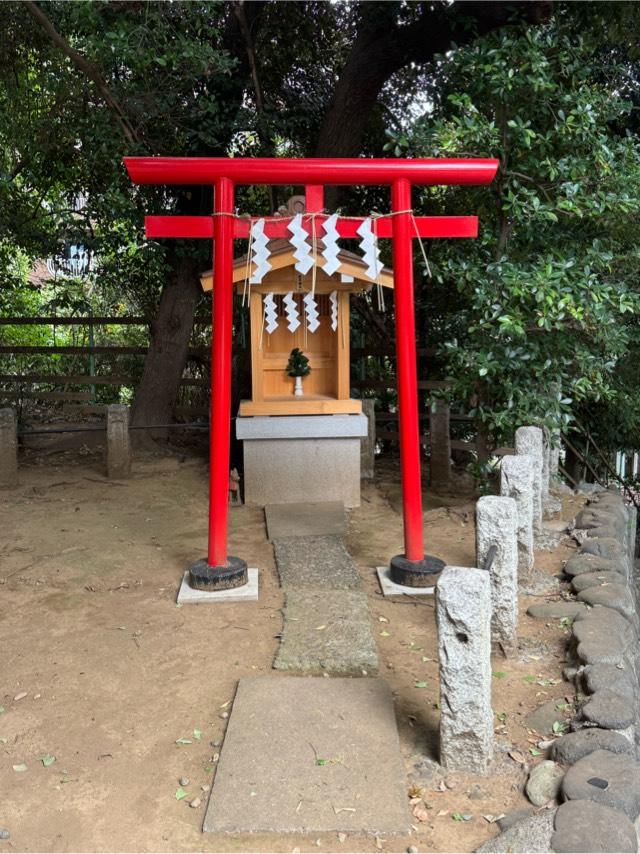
(326, 616)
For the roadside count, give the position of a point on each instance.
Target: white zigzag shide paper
(259, 252)
(333, 298)
(291, 309)
(303, 256)
(331, 248)
(270, 314)
(311, 311)
(370, 250)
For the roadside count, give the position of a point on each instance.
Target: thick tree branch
(86, 67)
(382, 47)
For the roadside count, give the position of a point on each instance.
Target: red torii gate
(220, 570)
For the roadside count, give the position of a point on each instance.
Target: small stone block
(390, 588)
(247, 593)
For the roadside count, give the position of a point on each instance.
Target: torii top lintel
(317, 170)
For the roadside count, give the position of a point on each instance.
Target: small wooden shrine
(280, 321)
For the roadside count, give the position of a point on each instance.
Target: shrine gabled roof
(282, 256)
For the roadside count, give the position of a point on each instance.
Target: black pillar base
(202, 576)
(415, 573)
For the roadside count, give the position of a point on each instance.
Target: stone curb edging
(600, 790)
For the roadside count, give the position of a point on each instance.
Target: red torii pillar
(220, 570)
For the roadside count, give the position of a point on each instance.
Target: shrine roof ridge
(315, 170)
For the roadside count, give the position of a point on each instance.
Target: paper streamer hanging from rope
(303, 256)
(333, 299)
(331, 248)
(311, 311)
(270, 314)
(370, 250)
(291, 310)
(260, 252)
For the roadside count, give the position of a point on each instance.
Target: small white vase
(298, 388)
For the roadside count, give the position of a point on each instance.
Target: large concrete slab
(304, 520)
(306, 755)
(327, 631)
(315, 562)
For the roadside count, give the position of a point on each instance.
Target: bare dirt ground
(112, 673)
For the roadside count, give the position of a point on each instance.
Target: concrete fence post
(497, 525)
(8, 448)
(440, 440)
(529, 441)
(516, 481)
(118, 444)
(368, 442)
(463, 613)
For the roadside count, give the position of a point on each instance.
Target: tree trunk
(168, 347)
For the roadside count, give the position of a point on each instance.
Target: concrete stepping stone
(327, 631)
(318, 562)
(587, 826)
(310, 755)
(305, 520)
(607, 778)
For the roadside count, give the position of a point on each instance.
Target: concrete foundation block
(516, 481)
(463, 612)
(118, 445)
(368, 442)
(187, 595)
(390, 588)
(303, 458)
(8, 448)
(497, 525)
(529, 441)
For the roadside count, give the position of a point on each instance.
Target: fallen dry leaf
(420, 812)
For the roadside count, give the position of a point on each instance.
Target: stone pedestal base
(306, 458)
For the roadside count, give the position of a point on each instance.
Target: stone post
(118, 446)
(463, 613)
(440, 437)
(550, 461)
(368, 442)
(8, 448)
(529, 441)
(516, 481)
(497, 525)
(546, 470)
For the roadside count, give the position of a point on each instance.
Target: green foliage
(298, 364)
(542, 309)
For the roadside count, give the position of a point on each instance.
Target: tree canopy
(535, 320)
